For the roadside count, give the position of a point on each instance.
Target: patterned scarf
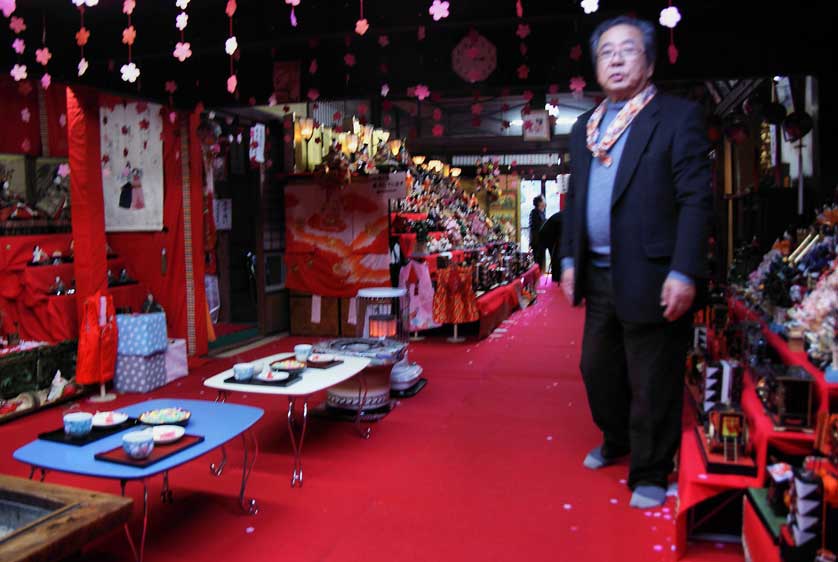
(618, 126)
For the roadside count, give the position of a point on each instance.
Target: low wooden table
(79, 517)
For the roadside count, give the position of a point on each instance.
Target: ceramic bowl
(243, 371)
(78, 424)
(138, 444)
(302, 351)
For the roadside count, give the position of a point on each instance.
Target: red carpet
(484, 464)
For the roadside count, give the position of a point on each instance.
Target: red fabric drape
(20, 136)
(56, 104)
(87, 200)
(197, 190)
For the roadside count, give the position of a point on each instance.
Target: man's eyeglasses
(629, 52)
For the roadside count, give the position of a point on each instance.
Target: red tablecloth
(498, 304)
(756, 539)
(407, 241)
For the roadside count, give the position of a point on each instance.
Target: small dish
(165, 434)
(109, 419)
(166, 416)
(321, 358)
(290, 366)
(273, 376)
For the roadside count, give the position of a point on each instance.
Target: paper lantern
(455, 172)
(395, 146)
(435, 165)
(306, 128)
(383, 326)
(419, 160)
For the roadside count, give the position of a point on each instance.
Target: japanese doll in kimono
(416, 278)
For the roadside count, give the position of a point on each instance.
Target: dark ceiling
(716, 39)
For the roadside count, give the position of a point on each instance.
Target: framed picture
(537, 126)
(13, 175)
(52, 189)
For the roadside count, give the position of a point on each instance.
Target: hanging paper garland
(669, 18)
(82, 37)
(230, 47)
(7, 7)
(293, 4)
(362, 25)
(590, 6)
(130, 71)
(43, 56)
(439, 10)
(183, 49)
(18, 71)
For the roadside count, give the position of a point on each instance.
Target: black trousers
(634, 378)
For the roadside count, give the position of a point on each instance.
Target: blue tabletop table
(217, 423)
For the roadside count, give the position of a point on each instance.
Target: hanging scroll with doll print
(132, 166)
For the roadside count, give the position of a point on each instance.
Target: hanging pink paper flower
(171, 86)
(577, 86)
(385, 89)
(349, 60)
(46, 81)
(182, 4)
(422, 92)
(576, 52)
(82, 36)
(590, 6)
(82, 66)
(232, 83)
(230, 10)
(437, 114)
(673, 53)
(63, 170)
(231, 45)
(43, 55)
(523, 72)
(527, 95)
(62, 119)
(523, 31)
(7, 7)
(19, 46)
(293, 4)
(25, 115)
(438, 130)
(362, 109)
(17, 25)
(420, 33)
(361, 26)
(313, 94)
(272, 100)
(439, 10)
(383, 40)
(182, 20)
(553, 88)
(18, 72)
(182, 51)
(523, 49)
(670, 17)
(130, 72)
(129, 34)
(386, 120)
(128, 7)
(519, 9)
(476, 108)
(172, 117)
(26, 145)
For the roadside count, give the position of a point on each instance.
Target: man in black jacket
(549, 239)
(633, 246)
(537, 220)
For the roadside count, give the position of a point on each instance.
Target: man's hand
(677, 298)
(568, 277)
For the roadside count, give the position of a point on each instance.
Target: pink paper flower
(420, 33)
(670, 17)
(362, 109)
(438, 130)
(182, 20)
(476, 108)
(25, 115)
(576, 52)
(172, 117)
(232, 83)
(673, 53)
(590, 6)
(577, 86)
(182, 4)
(130, 72)
(527, 95)
(82, 66)
(422, 92)
(361, 26)
(63, 170)
(62, 119)
(7, 7)
(46, 81)
(272, 100)
(129, 34)
(523, 49)
(437, 114)
(19, 45)
(519, 9)
(231, 8)
(128, 7)
(17, 25)
(43, 55)
(231, 45)
(553, 89)
(385, 89)
(182, 51)
(383, 40)
(171, 86)
(523, 72)
(18, 72)
(82, 36)
(26, 145)
(313, 94)
(349, 60)
(523, 31)
(312, 68)
(439, 10)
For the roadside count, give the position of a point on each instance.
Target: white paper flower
(670, 17)
(439, 10)
(590, 6)
(82, 66)
(182, 20)
(25, 115)
(182, 4)
(88, 3)
(19, 72)
(231, 45)
(385, 89)
(130, 72)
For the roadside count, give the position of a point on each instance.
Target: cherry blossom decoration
(130, 71)
(293, 4)
(421, 92)
(18, 45)
(7, 7)
(576, 52)
(523, 31)
(82, 37)
(383, 40)
(577, 86)
(385, 90)
(439, 10)
(19, 71)
(362, 25)
(171, 88)
(183, 49)
(42, 56)
(230, 47)
(669, 18)
(590, 6)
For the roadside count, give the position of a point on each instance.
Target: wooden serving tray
(160, 452)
